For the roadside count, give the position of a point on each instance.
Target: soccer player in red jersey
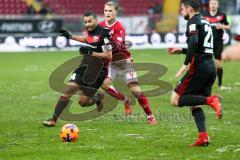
(219, 23)
(122, 62)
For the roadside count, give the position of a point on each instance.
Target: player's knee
(105, 86)
(83, 102)
(137, 94)
(218, 64)
(174, 101)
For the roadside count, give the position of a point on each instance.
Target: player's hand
(65, 33)
(181, 70)
(85, 50)
(219, 26)
(174, 50)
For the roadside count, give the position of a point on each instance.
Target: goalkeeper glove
(65, 33)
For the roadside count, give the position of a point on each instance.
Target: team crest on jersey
(192, 27)
(95, 38)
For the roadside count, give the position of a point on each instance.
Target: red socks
(113, 92)
(143, 101)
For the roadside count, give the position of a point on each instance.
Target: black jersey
(99, 41)
(219, 18)
(198, 26)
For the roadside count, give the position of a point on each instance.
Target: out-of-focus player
(122, 62)
(231, 53)
(195, 88)
(218, 21)
(90, 74)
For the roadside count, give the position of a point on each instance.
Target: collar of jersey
(111, 24)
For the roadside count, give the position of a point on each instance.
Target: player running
(218, 21)
(122, 62)
(195, 87)
(94, 63)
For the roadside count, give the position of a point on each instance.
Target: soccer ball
(69, 133)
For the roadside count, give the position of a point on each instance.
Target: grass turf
(26, 100)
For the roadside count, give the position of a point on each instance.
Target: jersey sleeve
(193, 31)
(224, 21)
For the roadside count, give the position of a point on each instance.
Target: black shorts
(197, 82)
(88, 80)
(218, 48)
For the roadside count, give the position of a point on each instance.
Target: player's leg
(62, 103)
(107, 86)
(218, 63)
(199, 118)
(219, 72)
(142, 100)
(86, 101)
(198, 114)
(89, 95)
(188, 89)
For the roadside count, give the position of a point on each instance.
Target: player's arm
(79, 38)
(68, 35)
(192, 48)
(106, 54)
(172, 51)
(224, 24)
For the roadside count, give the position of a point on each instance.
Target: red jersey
(118, 33)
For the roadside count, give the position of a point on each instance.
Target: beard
(186, 17)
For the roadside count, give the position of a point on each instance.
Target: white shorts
(123, 68)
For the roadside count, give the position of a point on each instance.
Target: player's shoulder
(102, 23)
(195, 19)
(220, 13)
(206, 14)
(118, 25)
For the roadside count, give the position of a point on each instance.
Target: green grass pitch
(26, 100)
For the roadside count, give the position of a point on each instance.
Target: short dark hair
(87, 14)
(195, 4)
(112, 3)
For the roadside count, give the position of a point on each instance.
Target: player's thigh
(106, 83)
(182, 84)
(130, 76)
(207, 88)
(90, 89)
(112, 72)
(191, 83)
(78, 75)
(174, 98)
(71, 89)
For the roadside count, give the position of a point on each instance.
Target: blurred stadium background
(32, 24)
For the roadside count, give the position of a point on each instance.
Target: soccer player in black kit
(90, 74)
(195, 88)
(218, 21)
